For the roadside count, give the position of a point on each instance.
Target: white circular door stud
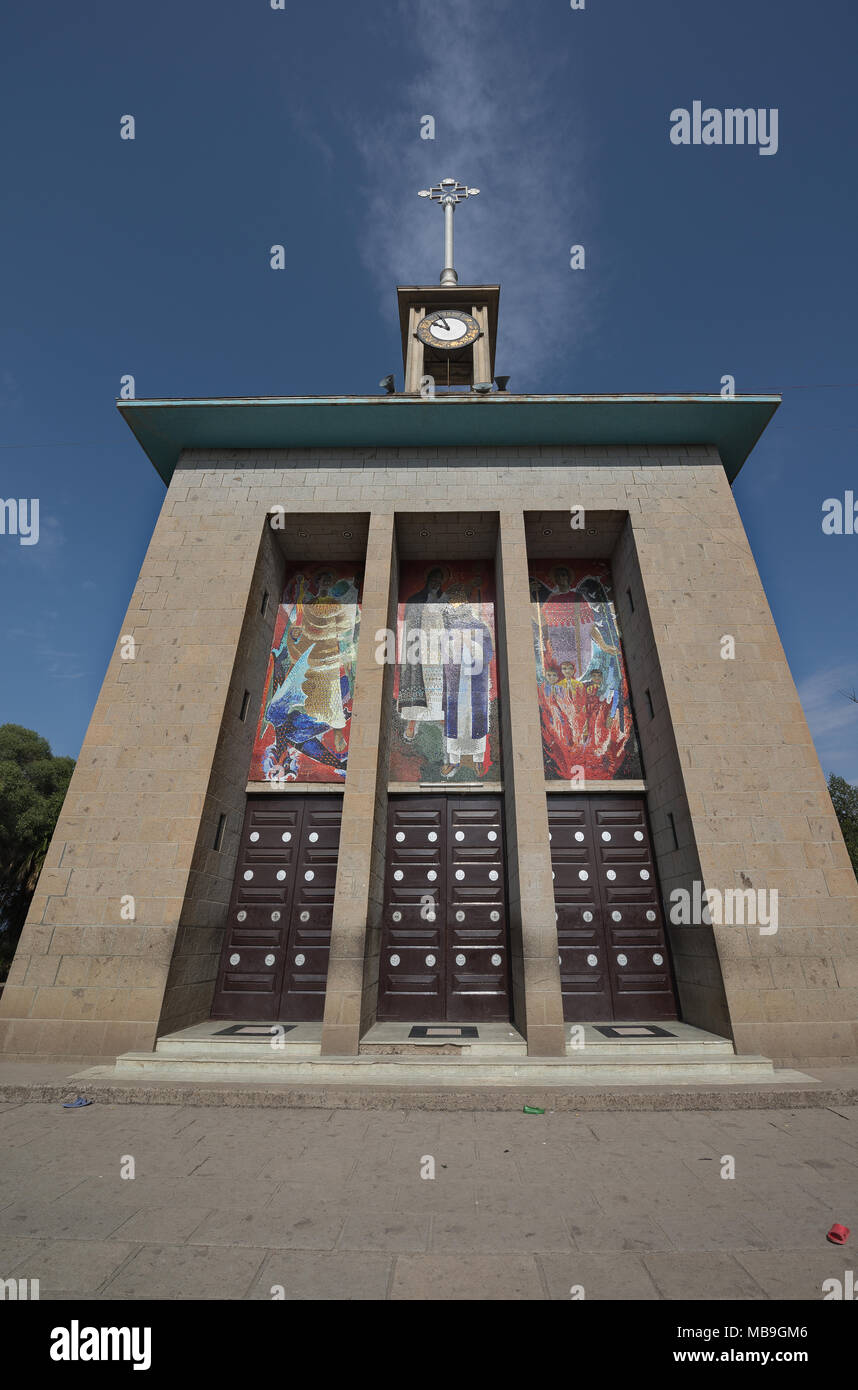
(496, 959)
(493, 875)
(397, 916)
(583, 875)
(241, 916)
(460, 916)
(460, 835)
(611, 875)
(592, 960)
(657, 959)
(234, 958)
(638, 835)
(430, 960)
(650, 916)
(494, 916)
(493, 834)
(432, 875)
(400, 838)
(248, 875)
(254, 837)
(269, 959)
(394, 960)
(645, 873)
(309, 876)
(432, 837)
(281, 875)
(275, 916)
(460, 874)
(286, 837)
(313, 837)
(299, 960)
(579, 836)
(606, 834)
(305, 916)
(398, 875)
(588, 916)
(460, 959)
(616, 917)
(622, 960)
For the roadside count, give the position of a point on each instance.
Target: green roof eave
(165, 428)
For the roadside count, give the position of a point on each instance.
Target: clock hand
(443, 325)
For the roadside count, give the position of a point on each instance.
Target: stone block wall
(727, 753)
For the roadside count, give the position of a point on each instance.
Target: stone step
(684, 1067)
(232, 1048)
(662, 1047)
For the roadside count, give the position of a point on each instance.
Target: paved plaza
(239, 1203)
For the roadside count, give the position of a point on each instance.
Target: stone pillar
(357, 897)
(482, 350)
(414, 354)
(537, 999)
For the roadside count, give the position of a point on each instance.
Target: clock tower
(448, 330)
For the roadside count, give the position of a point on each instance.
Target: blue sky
(301, 127)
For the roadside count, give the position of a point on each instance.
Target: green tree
(33, 784)
(845, 799)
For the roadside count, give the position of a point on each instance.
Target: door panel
(411, 967)
(306, 969)
(477, 957)
(444, 952)
(614, 964)
(584, 975)
(274, 962)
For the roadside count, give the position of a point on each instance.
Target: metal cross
(448, 193)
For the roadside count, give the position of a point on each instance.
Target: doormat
(440, 1030)
(255, 1030)
(635, 1030)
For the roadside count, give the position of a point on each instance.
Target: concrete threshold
(101, 1086)
(27, 1082)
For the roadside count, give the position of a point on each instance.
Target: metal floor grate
(254, 1031)
(635, 1030)
(442, 1030)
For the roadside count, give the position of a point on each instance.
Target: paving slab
(798, 1274)
(393, 1231)
(711, 1276)
(341, 1276)
(72, 1267)
(467, 1278)
(583, 1277)
(187, 1272)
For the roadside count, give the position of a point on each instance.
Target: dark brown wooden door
(444, 953)
(274, 964)
(614, 963)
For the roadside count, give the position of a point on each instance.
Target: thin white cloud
(497, 128)
(833, 718)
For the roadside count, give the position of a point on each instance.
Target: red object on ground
(838, 1235)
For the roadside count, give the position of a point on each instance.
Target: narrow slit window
(650, 704)
(264, 605)
(221, 827)
(245, 702)
(630, 599)
(673, 829)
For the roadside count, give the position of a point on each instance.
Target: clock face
(448, 329)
